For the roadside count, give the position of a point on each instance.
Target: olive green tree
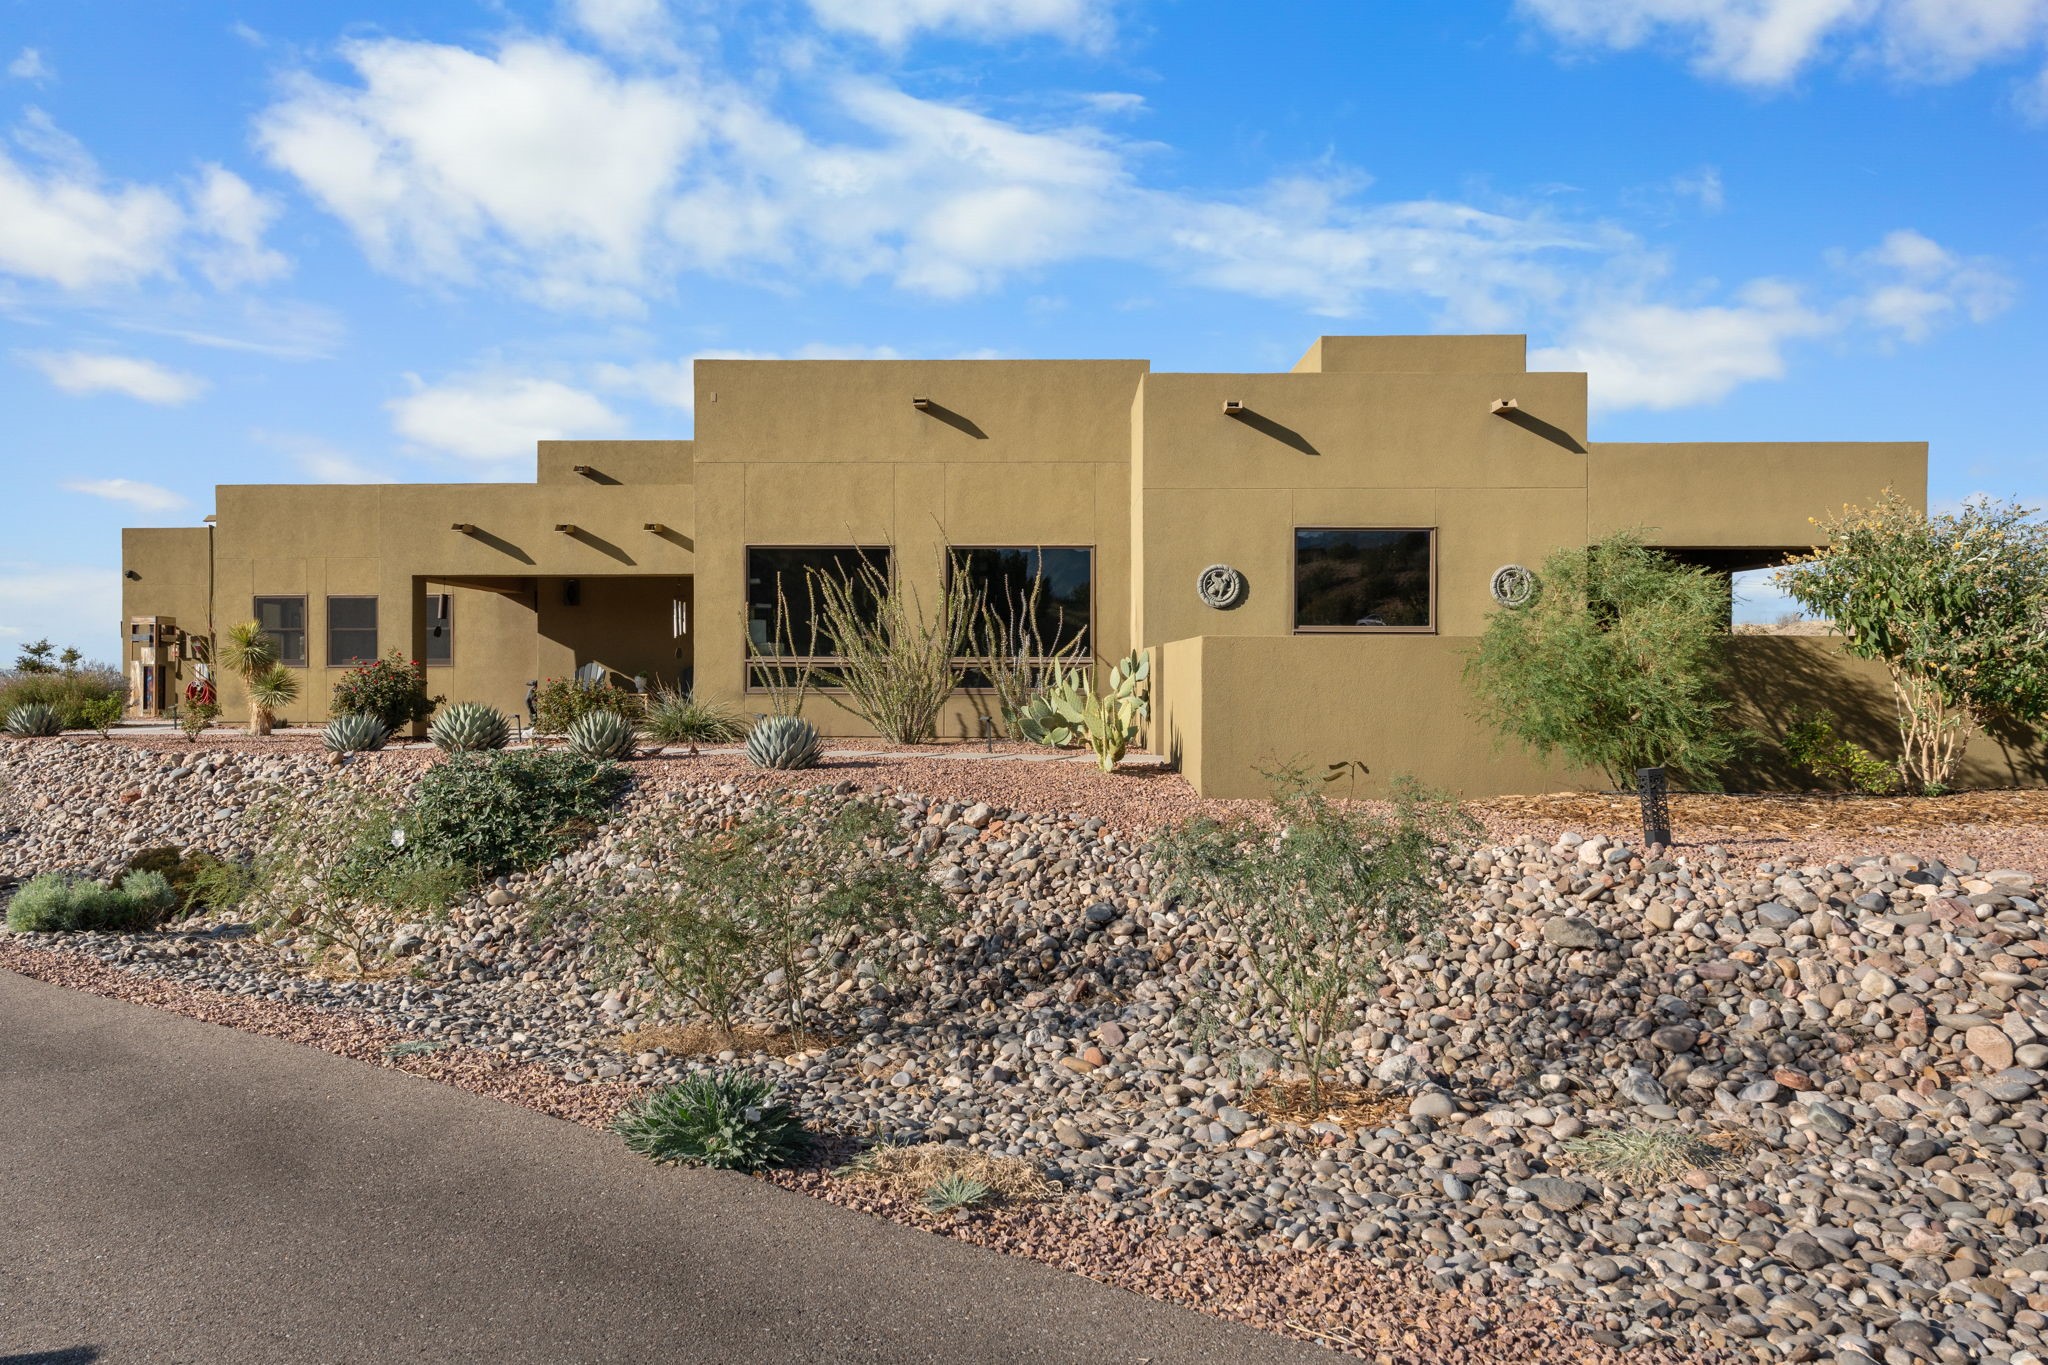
(1956, 608)
(1616, 663)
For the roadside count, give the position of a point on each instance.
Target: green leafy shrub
(1956, 608)
(1811, 742)
(101, 714)
(195, 718)
(726, 1120)
(33, 720)
(190, 873)
(559, 703)
(679, 718)
(504, 812)
(391, 689)
(57, 903)
(470, 726)
(1616, 664)
(68, 691)
(601, 735)
(778, 892)
(1315, 897)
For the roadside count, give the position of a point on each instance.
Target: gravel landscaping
(1827, 1063)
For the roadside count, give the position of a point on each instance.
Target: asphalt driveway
(171, 1191)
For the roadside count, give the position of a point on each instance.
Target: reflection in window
(1042, 598)
(440, 628)
(1348, 579)
(283, 619)
(351, 631)
(784, 618)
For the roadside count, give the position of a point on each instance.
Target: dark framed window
(351, 631)
(283, 619)
(440, 628)
(1043, 596)
(783, 621)
(1364, 579)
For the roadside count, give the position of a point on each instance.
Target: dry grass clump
(1353, 1106)
(1643, 1157)
(913, 1171)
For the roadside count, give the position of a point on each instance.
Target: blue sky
(366, 241)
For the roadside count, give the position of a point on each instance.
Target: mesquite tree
(1956, 608)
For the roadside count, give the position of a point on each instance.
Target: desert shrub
(679, 718)
(1956, 608)
(779, 892)
(392, 689)
(1647, 1157)
(726, 1120)
(1811, 742)
(560, 702)
(1012, 654)
(195, 718)
(896, 662)
(503, 812)
(189, 873)
(1616, 663)
(69, 693)
(101, 714)
(1315, 897)
(57, 903)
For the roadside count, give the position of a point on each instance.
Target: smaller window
(440, 628)
(1364, 579)
(351, 631)
(283, 619)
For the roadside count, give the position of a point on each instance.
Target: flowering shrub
(559, 702)
(391, 689)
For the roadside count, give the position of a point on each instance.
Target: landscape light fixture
(1504, 406)
(921, 404)
(1233, 408)
(466, 527)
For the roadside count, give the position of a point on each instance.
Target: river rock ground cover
(1828, 1073)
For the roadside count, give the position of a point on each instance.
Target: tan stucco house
(1308, 554)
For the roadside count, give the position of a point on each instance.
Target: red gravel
(1343, 1301)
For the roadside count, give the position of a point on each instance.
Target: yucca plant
(246, 651)
(950, 1194)
(469, 727)
(602, 735)
(357, 733)
(679, 718)
(783, 742)
(726, 1120)
(34, 720)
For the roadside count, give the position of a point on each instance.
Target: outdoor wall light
(921, 404)
(466, 527)
(1233, 408)
(1504, 406)
(567, 528)
(134, 575)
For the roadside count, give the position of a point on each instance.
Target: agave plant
(34, 719)
(469, 726)
(359, 732)
(783, 742)
(727, 1120)
(602, 735)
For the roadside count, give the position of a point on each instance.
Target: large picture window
(781, 621)
(283, 619)
(1349, 579)
(351, 631)
(1042, 598)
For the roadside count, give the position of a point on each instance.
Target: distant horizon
(403, 243)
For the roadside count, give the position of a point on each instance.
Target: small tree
(897, 663)
(35, 658)
(246, 651)
(1315, 897)
(1956, 608)
(1616, 663)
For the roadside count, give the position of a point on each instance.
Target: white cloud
(498, 417)
(87, 372)
(319, 460)
(147, 496)
(1917, 284)
(444, 159)
(1704, 186)
(49, 601)
(893, 23)
(629, 27)
(30, 66)
(63, 223)
(1768, 43)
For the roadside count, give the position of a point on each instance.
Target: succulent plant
(726, 1120)
(355, 733)
(34, 719)
(1070, 711)
(783, 742)
(468, 726)
(601, 735)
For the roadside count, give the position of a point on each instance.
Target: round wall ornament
(1220, 586)
(1513, 585)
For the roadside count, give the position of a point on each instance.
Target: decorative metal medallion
(1221, 586)
(1513, 585)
